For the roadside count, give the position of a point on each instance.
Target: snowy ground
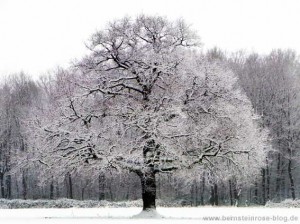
(287, 203)
(171, 215)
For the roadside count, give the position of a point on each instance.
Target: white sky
(37, 35)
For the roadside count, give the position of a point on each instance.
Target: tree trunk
(110, 189)
(8, 176)
(216, 199)
(148, 190)
(82, 193)
(268, 181)
(292, 184)
(101, 187)
(202, 191)
(2, 185)
(263, 186)
(256, 193)
(278, 177)
(212, 195)
(70, 186)
(24, 185)
(230, 193)
(8, 186)
(196, 194)
(51, 189)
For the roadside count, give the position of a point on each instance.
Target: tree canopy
(146, 101)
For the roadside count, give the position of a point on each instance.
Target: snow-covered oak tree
(145, 101)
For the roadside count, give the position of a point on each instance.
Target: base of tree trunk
(148, 183)
(148, 214)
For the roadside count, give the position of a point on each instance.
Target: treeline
(270, 81)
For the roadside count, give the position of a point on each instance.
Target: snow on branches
(145, 101)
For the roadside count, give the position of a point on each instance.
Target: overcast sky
(37, 35)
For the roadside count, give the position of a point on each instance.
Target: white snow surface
(125, 215)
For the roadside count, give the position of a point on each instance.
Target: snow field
(171, 215)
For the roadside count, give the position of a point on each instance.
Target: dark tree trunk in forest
(278, 176)
(148, 183)
(8, 176)
(82, 193)
(292, 184)
(196, 193)
(202, 191)
(147, 176)
(110, 189)
(2, 185)
(51, 189)
(230, 193)
(256, 193)
(70, 186)
(263, 186)
(216, 199)
(101, 183)
(268, 181)
(24, 185)
(8, 186)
